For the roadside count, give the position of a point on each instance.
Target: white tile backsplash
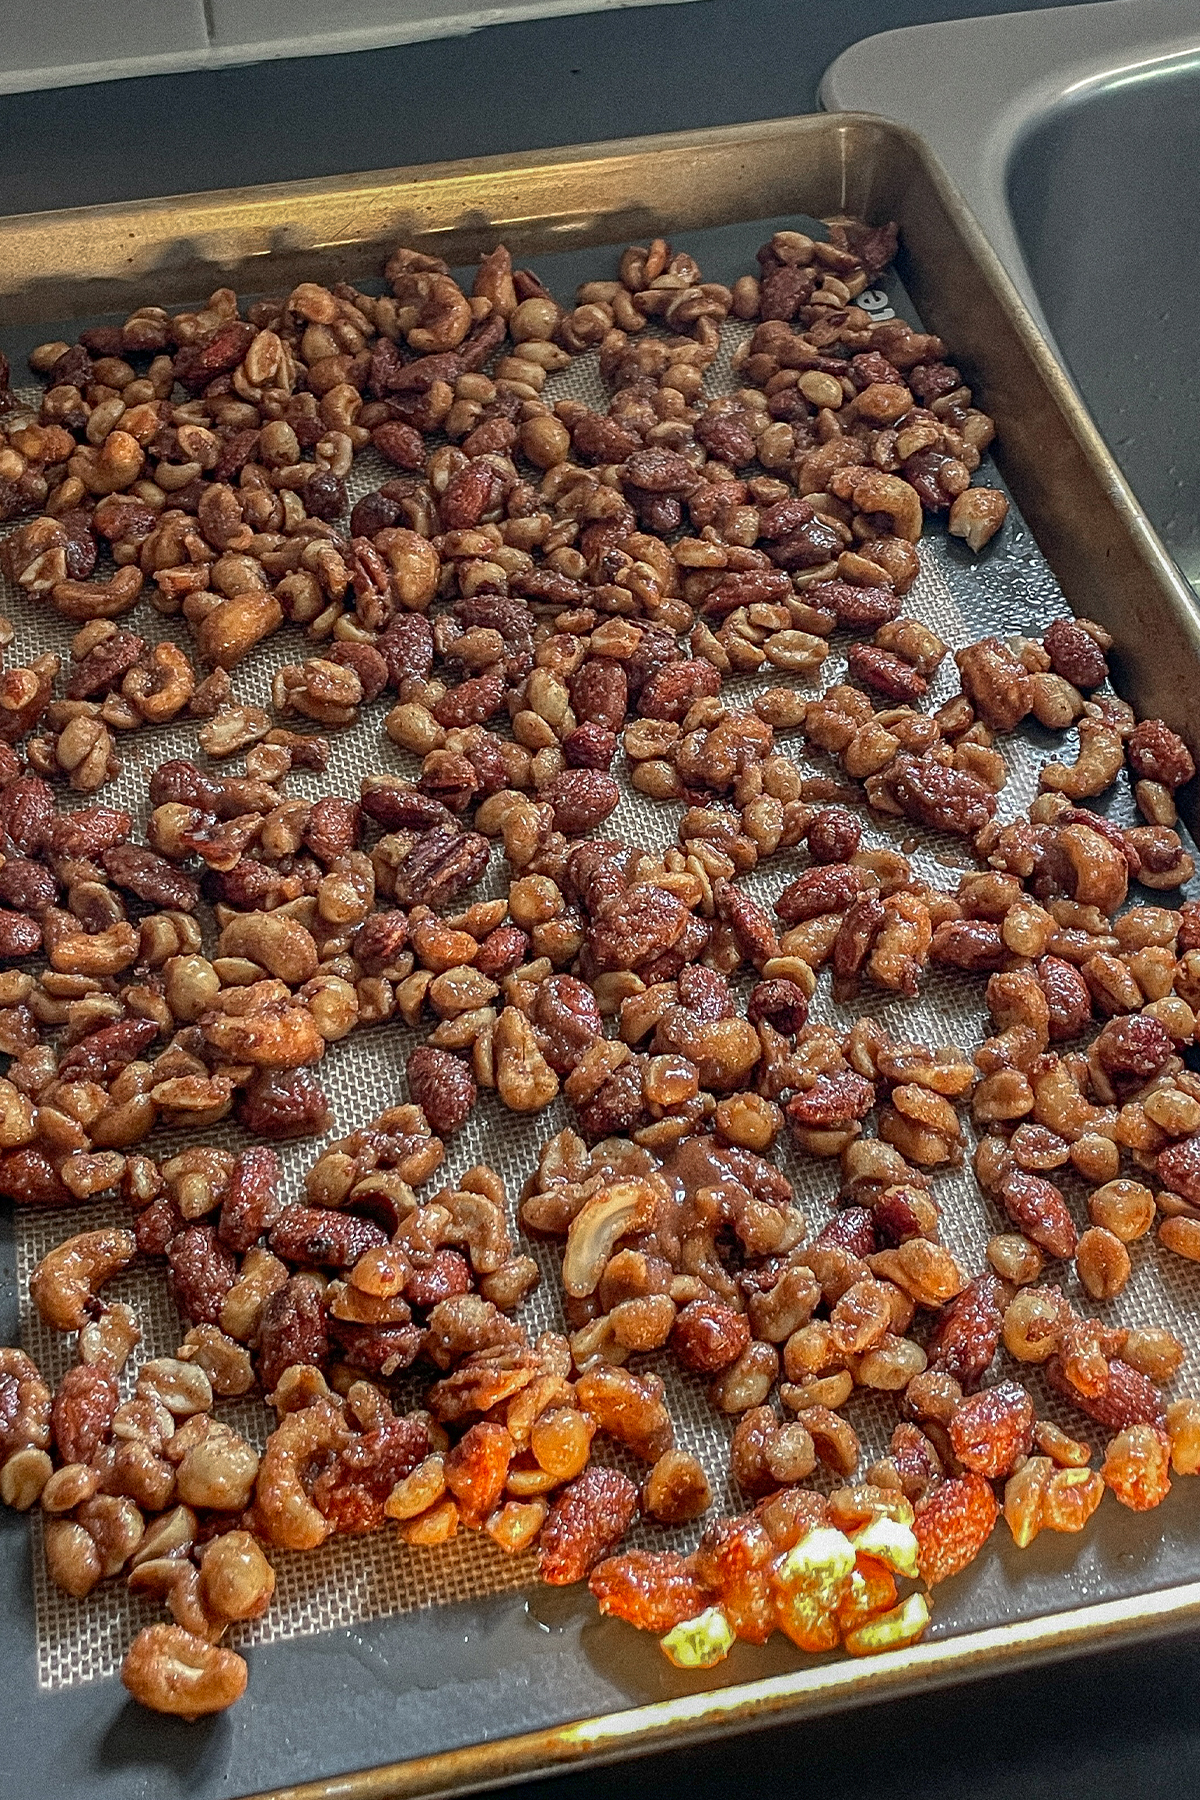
(44, 43)
(54, 43)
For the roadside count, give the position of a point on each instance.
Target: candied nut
(1102, 1263)
(1039, 1496)
(236, 1580)
(1183, 1429)
(442, 1086)
(1136, 1466)
(24, 1474)
(170, 1670)
(66, 1280)
(72, 1557)
(587, 1519)
(953, 1522)
(629, 1407)
(1157, 754)
(1154, 1352)
(992, 1429)
(977, 515)
(676, 1489)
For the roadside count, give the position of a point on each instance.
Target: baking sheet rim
(771, 1700)
(810, 1692)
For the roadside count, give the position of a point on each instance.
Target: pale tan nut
(106, 1342)
(66, 1280)
(234, 728)
(85, 753)
(1040, 1496)
(437, 1526)
(977, 515)
(416, 1493)
(225, 1362)
(676, 1489)
(615, 1211)
(1096, 870)
(68, 1487)
(283, 1509)
(236, 1580)
(278, 944)
(269, 1032)
(1154, 1352)
(891, 1364)
(748, 1381)
(1100, 760)
(1054, 702)
(1102, 1263)
(1034, 1322)
(23, 1477)
(233, 627)
(1136, 1466)
(329, 693)
(1182, 1235)
(515, 1525)
(115, 1526)
(182, 1387)
(871, 491)
(216, 1466)
(1183, 1429)
(1124, 1208)
(82, 600)
(170, 1670)
(160, 685)
(97, 955)
(525, 1081)
(72, 1559)
(927, 1272)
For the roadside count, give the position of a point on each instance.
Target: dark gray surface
(515, 87)
(1121, 167)
(1113, 1725)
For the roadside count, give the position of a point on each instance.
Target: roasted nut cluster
(538, 589)
(318, 1303)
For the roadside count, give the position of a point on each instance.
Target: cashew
(1100, 760)
(182, 1387)
(70, 1276)
(23, 1477)
(218, 1471)
(161, 684)
(479, 1224)
(80, 600)
(594, 1231)
(1056, 704)
(105, 953)
(1099, 871)
(106, 1342)
(282, 946)
(524, 1079)
(170, 1670)
(226, 634)
(871, 491)
(297, 1447)
(977, 516)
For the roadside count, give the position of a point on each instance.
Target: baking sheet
(352, 1583)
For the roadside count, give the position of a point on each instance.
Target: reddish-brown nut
(442, 1086)
(990, 1430)
(586, 1521)
(708, 1337)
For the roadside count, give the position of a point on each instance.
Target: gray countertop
(1114, 1724)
